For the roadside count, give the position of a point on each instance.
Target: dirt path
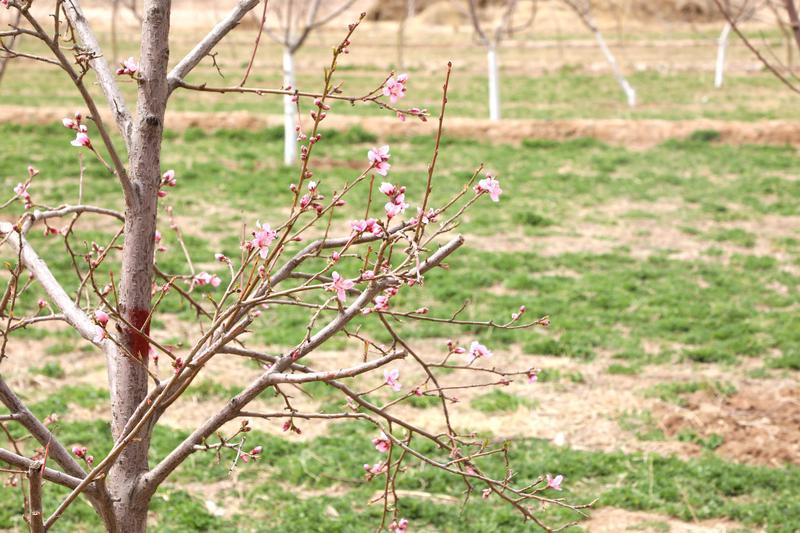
(635, 134)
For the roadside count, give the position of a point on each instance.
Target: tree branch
(72, 313)
(49, 474)
(208, 42)
(39, 431)
(151, 480)
(35, 501)
(105, 76)
(329, 375)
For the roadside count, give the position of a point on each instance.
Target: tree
(583, 8)
(505, 25)
(296, 20)
(736, 13)
(113, 313)
(9, 47)
(743, 12)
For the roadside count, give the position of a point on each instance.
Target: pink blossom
(69, 123)
(486, 493)
(79, 451)
(222, 258)
(157, 239)
(426, 218)
(388, 189)
(519, 313)
(392, 209)
(81, 139)
(554, 482)
(391, 291)
(375, 469)
(368, 275)
(477, 350)
(489, 185)
(341, 286)
(129, 67)
(99, 335)
(381, 302)
(41, 303)
(382, 442)
(401, 526)
(168, 178)
(204, 278)
(454, 348)
(391, 377)
(369, 225)
(533, 376)
(379, 157)
(395, 88)
(262, 238)
(21, 190)
(101, 317)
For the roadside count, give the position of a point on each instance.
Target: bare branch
(49, 474)
(105, 77)
(336, 374)
(208, 42)
(731, 20)
(152, 479)
(39, 431)
(72, 313)
(35, 519)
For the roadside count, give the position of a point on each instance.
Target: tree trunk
(722, 45)
(630, 93)
(128, 369)
(494, 84)
(289, 109)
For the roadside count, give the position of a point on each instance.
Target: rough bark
(129, 368)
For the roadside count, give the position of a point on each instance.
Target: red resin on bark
(137, 342)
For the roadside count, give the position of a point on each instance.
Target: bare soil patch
(759, 424)
(612, 520)
(634, 134)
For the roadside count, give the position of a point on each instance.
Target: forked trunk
(289, 109)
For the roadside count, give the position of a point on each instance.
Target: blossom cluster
(81, 131)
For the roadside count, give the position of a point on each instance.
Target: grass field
(671, 274)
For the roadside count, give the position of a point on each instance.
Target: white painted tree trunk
(289, 110)
(494, 84)
(722, 46)
(630, 92)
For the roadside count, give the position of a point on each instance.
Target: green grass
(673, 392)
(499, 401)
(701, 488)
(50, 370)
(713, 307)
